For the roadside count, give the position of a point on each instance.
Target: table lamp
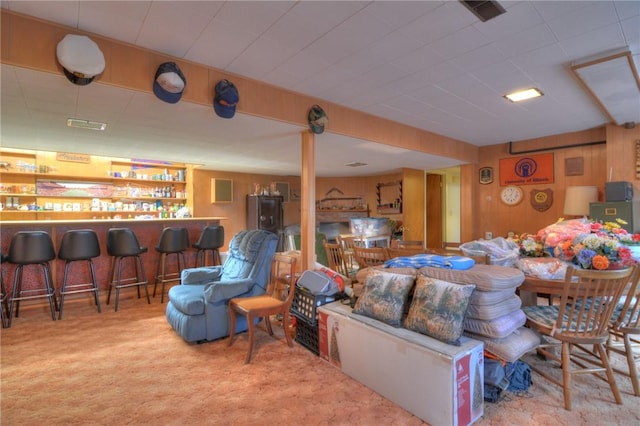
(578, 198)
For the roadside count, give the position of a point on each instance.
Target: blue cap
(169, 82)
(225, 99)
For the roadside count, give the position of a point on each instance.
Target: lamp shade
(578, 198)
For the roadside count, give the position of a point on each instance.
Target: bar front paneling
(147, 231)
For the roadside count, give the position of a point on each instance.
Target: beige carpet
(129, 367)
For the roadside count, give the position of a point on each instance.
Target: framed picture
(486, 175)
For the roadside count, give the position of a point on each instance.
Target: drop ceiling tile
(519, 17)
(530, 39)
(64, 12)
(399, 13)
(594, 42)
(480, 57)
(251, 16)
(459, 43)
(422, 58)
(261, 57)
(220, 55)
(120, 20)
(442, 21)
(301, 65)
(631, 31)
(186, 25)
(584, 20)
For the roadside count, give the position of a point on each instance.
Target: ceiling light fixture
(86, 124)
(355, 164)
(612, 80)
(523, 95)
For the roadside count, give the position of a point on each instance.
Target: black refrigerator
(266, 212)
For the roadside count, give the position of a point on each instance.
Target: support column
(308, 202)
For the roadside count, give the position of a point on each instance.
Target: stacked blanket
(432, 260)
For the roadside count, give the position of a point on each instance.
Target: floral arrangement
(590, 245)
(529, 245)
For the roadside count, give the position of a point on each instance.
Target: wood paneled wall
(616, 158)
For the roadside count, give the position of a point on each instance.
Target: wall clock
(511, 195)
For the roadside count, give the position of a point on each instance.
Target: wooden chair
(370, 256)
(484, 259)
(403, 251)
(348, 242)
(410, 244)
(335, 256)
(624, 333)
(450, 245)
(579, 326)
(276, 301)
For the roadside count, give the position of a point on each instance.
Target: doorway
(433, 211)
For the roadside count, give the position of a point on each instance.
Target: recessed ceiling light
(355, 164)
(86, 124)
(523, 95)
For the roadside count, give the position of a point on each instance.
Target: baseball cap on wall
(317, 119)
(225, 99)
(81, 58)
(169, 82)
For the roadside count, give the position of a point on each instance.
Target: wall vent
(484, 10)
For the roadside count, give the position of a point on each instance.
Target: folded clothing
(432, 260)
(491, 312)
(484, 277)
(498, 328)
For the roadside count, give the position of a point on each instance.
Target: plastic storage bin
(305, 304)
(307, 335)
(369, 226)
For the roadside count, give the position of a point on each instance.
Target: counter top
(98, 221)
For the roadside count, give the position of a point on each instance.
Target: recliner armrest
(202, 275)
(225, 290)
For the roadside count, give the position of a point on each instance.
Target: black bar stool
(122, 244)
(172, 241)
(211, 239)
(31, 248)
(4, 309)
(79, 245)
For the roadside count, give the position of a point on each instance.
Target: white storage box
(441, 384)
(369, 226)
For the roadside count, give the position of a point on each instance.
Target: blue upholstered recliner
(198, 308)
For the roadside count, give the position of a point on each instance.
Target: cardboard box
(441, 384)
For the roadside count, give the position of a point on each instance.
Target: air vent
(355, 164)
(86, 124)
(484, 10)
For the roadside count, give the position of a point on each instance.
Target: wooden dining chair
(348, 242)
(450, 245)
(483, 259)
(409, 244)
(393, 252)
(335, 257)
(624, 333)
(370, 256)
(579, 326)
(276, 301)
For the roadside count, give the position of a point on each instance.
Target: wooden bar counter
(147, 231)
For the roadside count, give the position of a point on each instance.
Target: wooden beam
(308, 202)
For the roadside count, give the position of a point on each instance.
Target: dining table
(532, 286)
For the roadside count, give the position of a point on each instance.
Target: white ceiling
(428, 64)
